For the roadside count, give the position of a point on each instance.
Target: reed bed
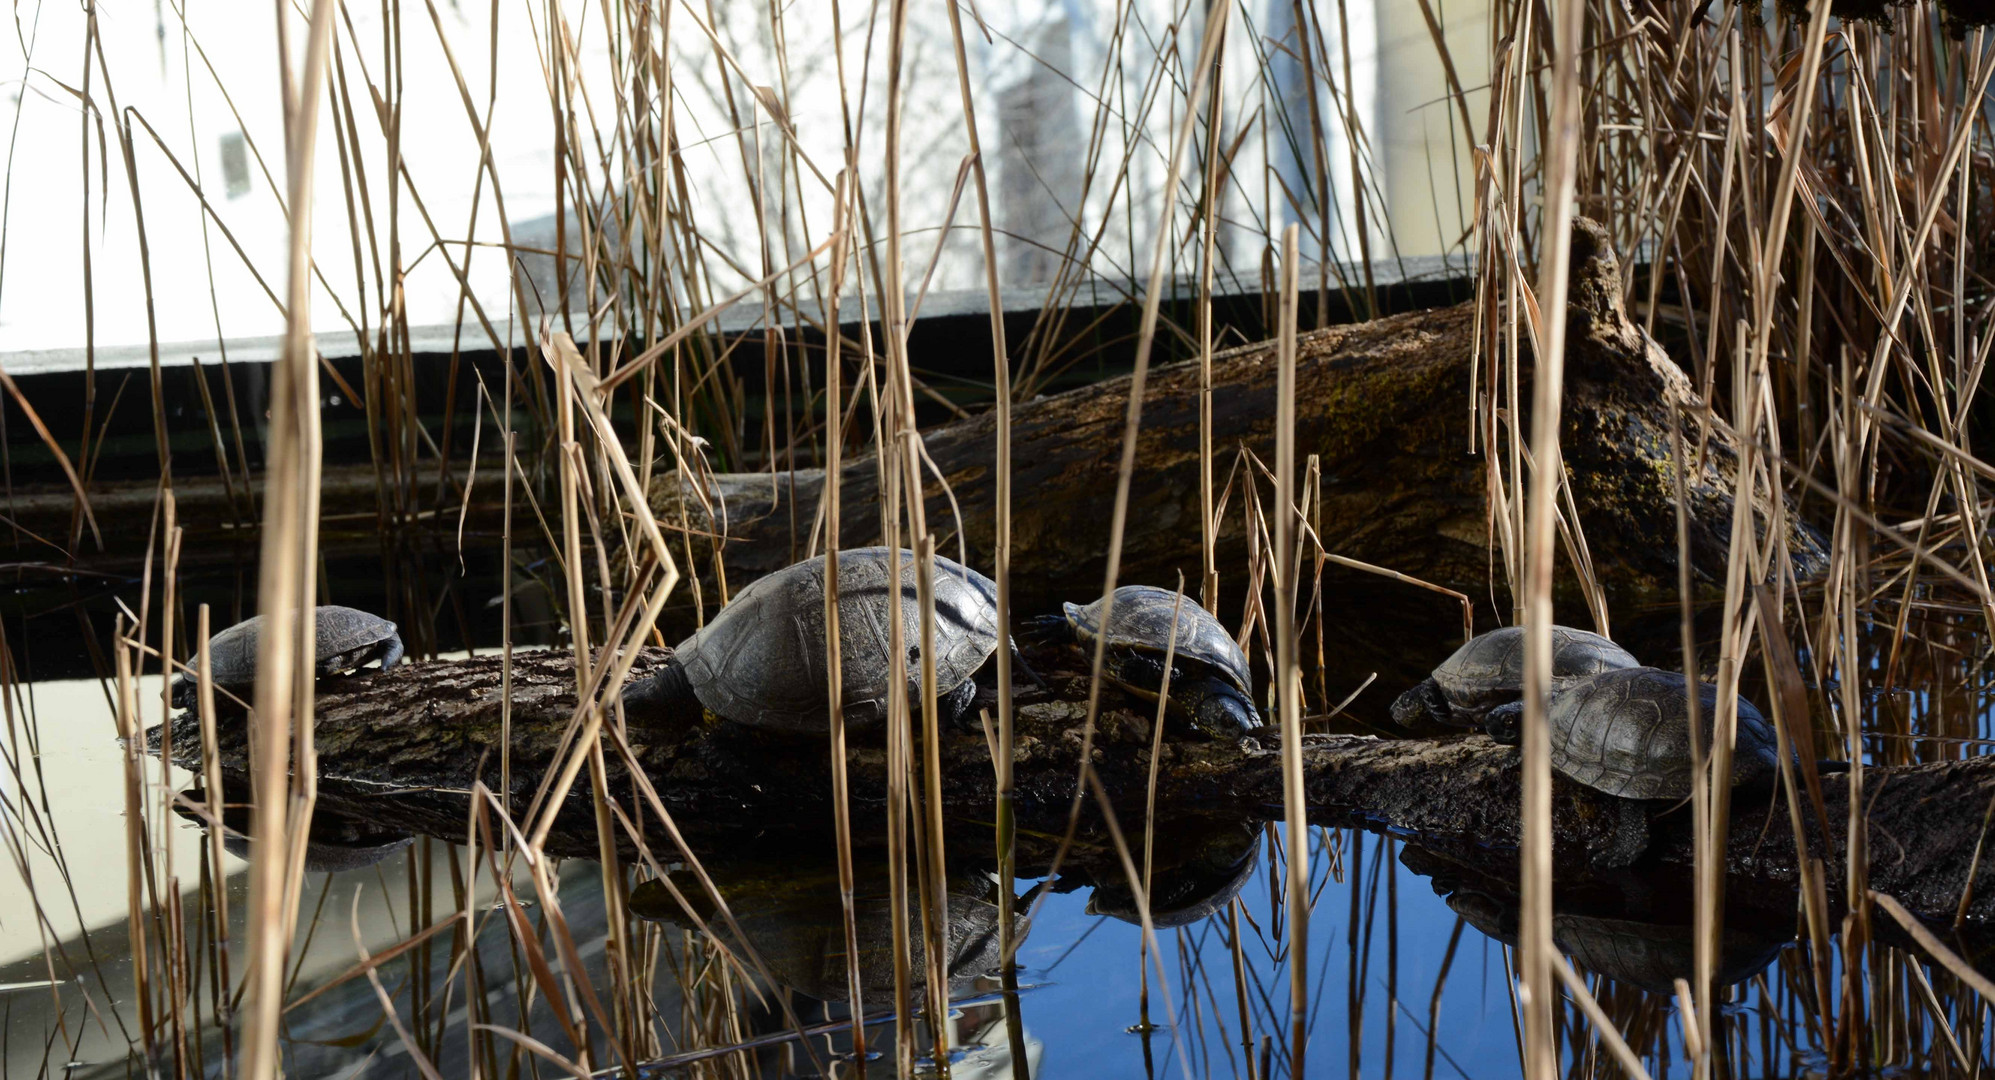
(1805, 206)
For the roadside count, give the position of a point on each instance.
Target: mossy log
(404, 748)
(1384, 406)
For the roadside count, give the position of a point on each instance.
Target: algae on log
(1385, 406)
(405, 746)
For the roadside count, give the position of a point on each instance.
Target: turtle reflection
(336, 842)
(791, 915)
(1199, 866)
(1617, 928)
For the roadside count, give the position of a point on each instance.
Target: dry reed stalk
(834, 447)
(1208, 523)
(1536, 954)
(1150, 798)
(1134, 877)
(936, 911)
(1001, 553)
(902, 466)
(1288, 665)
(285, 588)
(211, 775)
(130, 724)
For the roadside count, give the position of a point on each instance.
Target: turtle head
(183, 692)
(1422, 703)
(1043, 630)
(1505, 723)
(1217, 708)
(662, 697)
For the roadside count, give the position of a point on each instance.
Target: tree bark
(403, 748)
(1384, 406)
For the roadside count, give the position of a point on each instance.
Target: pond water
(1408, 956)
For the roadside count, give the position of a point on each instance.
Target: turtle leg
(1018, 660)
(953, 708)
(1505, 723)
(1138, 669)
(1630, 839)
(391, 651)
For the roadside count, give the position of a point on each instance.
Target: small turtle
(346, 639)
(1200, 870)
(1488, 671)
(1211, 687)
(760, 662)
(1627, 733)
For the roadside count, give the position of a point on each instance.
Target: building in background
(1077, 112)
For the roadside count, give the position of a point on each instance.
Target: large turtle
(1627, 733)
(760, 662)
(1211, 688)
(1647, 955)
(1488, 671)
(344, 639)
(335, 842)
(785, 903)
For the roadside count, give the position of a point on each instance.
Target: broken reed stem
(1288, 665)
(1534, 932)
(285, 586)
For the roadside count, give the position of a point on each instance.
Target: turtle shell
(761, 661)
(1141, 620)
(1488, 670)
(345, 639)
(1627, 733)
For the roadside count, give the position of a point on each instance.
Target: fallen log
(1385, 408)
(406, 746)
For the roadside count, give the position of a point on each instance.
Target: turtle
(1201, 866)
(345, 640)
(785, 904)
(334, 843)
(1211, 688)
(1488, 670)
(760, 662)
(1646, 955)
(1626, 733)
(1634, 928)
